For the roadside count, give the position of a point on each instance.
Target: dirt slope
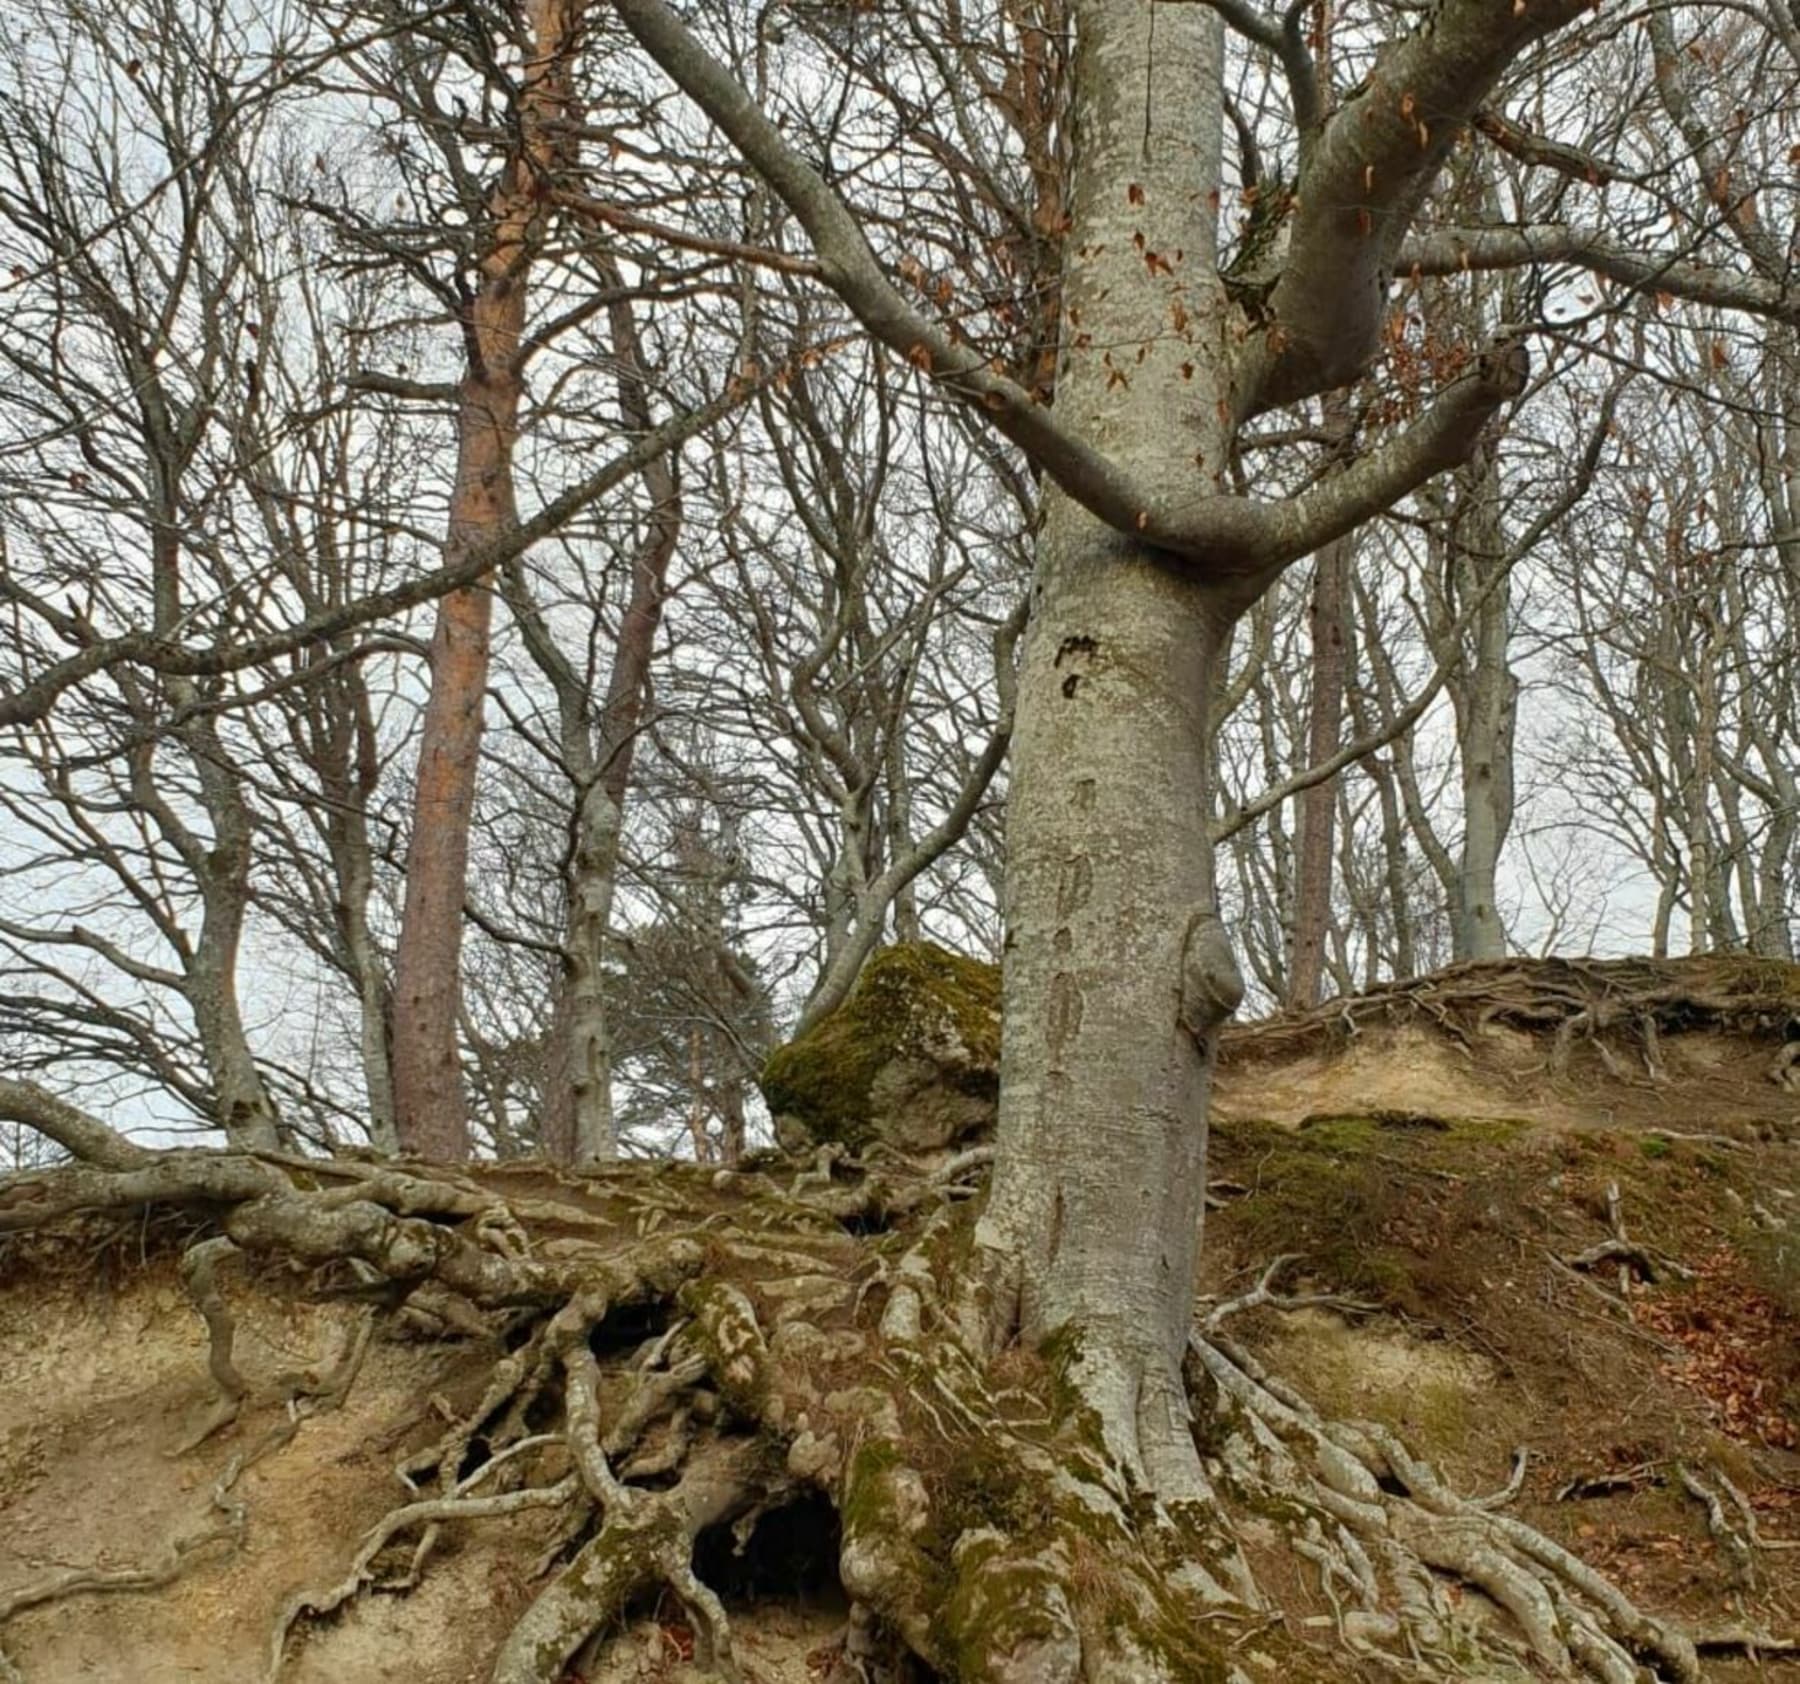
(103, 1380)
(1583, 1245)
(1570, 1198)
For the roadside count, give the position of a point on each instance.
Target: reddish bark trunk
(431, 1110)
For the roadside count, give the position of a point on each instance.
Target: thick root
(1606, 1005)
(1367, 1500)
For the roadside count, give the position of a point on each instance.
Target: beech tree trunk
(1487, 699)
(1116, 968)
(219, 862)
(600, 821)
(1318, 805)
(431, 1110)
(598, 745)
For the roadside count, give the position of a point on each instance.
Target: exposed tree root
(686, 1352)
(1603, 1004)
(224, 1525)
(1378, 1516)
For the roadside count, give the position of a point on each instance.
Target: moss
(869, 1504)
(1359, 1196)
(911, 1001)
(1409, 1131)
(1075, 1416)
(999, 1604)
(984, 1489)
(726, 1330)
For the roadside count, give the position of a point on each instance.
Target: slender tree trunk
(899, 835)
(431, 1109)
(731, 1117)
(1318, 805)
(588, 1048)
(375, 1044)
(1773, 937)
(1705, 892)
(1667, 872)
(375, 1003)
(220, 864)
(245, 1111)
(344, 754)
(555, 1120)
(601, 819)
(1487, 696)
(1117, 970)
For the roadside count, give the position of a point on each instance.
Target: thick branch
(1448, 251)
(397, 386)
(1252, 538)
(1545, 153)
(1442, 438)
(72, 1129)
(851, 269)
(1363, 183)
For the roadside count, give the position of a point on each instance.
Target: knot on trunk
(1211, 984)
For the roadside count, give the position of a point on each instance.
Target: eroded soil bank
(1470, 1275)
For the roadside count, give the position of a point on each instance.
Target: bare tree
(1118, 972)
(509, 230)
(136, 366)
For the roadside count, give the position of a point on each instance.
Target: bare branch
(1450, 251)
(1362, 185)
(71, 1128)
(32, 701)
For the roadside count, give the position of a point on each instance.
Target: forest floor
(1565, 1260)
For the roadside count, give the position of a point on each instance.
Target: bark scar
(1211, 984)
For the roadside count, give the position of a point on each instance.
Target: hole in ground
(627, 1326)
(474, 1457)
(791, 1556)
(787, 1609)
(863, 1223)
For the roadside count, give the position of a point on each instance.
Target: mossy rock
(912, 1058)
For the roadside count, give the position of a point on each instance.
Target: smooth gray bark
(1116, 968)
(1486, 693)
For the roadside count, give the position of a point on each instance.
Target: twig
(1261, 1295)
(1500, 1498)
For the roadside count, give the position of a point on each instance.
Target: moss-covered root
(1020, 1563)
(1078, 1599)
(626, 1556)
(731, 1340)
(1009, 1619)
(882, 1561)
(647, 1540)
